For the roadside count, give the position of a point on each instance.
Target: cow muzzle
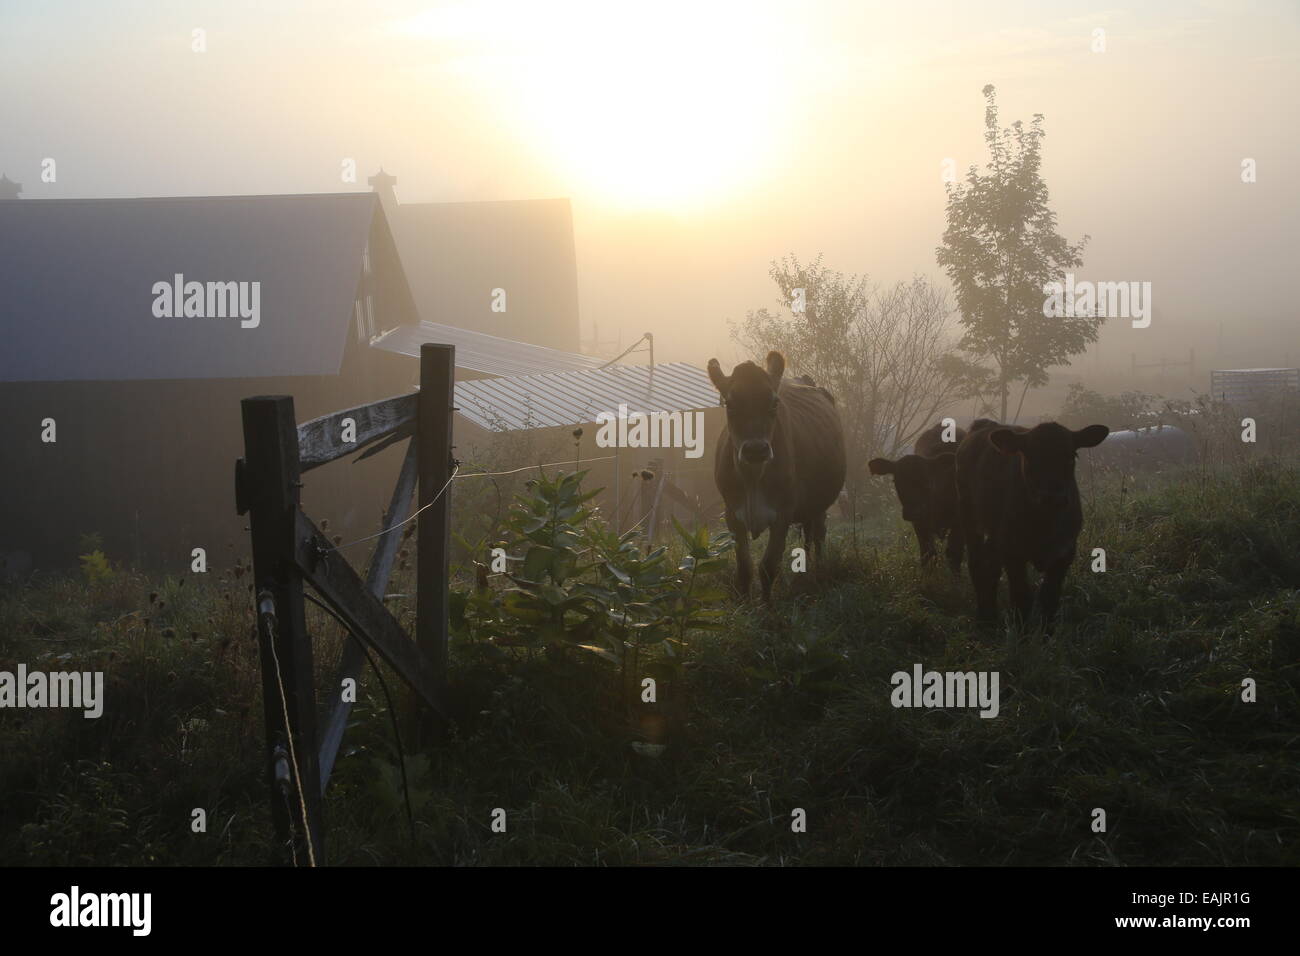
(755, 452)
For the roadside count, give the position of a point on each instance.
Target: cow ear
(944, 463)
(880, 466)
(775, 367)
(720, 381)
(1007, 441)
(1091, 436)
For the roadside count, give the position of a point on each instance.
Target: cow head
(750, 395)
(917, 480)
(1047, 454)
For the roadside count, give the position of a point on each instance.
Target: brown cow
(1019, 503)
(780, 461)
(926, 485)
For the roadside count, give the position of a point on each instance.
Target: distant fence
(1244, 386)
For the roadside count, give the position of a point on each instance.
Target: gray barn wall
(150, 465)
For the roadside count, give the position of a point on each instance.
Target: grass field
(1134, 707)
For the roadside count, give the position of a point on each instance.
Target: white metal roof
(480, 352)
(577, 397)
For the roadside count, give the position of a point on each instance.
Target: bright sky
(699, 140)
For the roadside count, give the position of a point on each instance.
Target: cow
(926, 485)
(780, 461)
(1019, 504)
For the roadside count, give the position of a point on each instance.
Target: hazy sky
(699, 140)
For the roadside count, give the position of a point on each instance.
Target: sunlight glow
(652, 107)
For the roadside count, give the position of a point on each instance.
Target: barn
(134, 327)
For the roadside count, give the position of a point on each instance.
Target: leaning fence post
(267, 487)
(433, 529)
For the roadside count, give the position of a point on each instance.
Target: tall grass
(1134, 707)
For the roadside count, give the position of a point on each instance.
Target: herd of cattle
(1003, 496)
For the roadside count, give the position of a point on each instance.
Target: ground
(1134, 707)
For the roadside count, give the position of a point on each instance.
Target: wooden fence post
(433, 528)
(268, 486)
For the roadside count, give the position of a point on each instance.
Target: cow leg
(985, 569)
(925, 539)
(1049, 593)
(956, 547)
(1022, 595)
(818, 541)
(770, 567)
(979, 558)
(744, 566)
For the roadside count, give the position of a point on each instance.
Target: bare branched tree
(886, 354)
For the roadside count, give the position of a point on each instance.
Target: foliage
(1135, 705)
(1133, 409)
(479, 503)
(1000, 250)
(884, 353)
(578, 583)
(95, 566)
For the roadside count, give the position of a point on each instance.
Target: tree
(885, 354)
(1001, 249)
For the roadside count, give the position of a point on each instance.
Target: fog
(700, 141)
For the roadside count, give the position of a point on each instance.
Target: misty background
(698, 142)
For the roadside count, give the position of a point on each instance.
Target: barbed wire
(455, 474)
(406, 520)
(547, 464)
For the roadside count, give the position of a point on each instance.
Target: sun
(663, 106)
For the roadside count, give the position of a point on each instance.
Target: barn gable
(456, 254)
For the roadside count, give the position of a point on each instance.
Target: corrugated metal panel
(1243, 385)
(480, 352)
(576, 398)
(76, 279)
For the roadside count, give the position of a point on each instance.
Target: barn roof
(456, 253)
(479, 352)
(577, 397)
(76, 280)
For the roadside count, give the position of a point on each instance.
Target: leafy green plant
(578, 583)
(548, 602)
(95, 566)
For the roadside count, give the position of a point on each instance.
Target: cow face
(750, 395)
(1047, 455)
(917, 481)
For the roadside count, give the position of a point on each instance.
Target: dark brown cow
(779, 461)
(1019, 504)
(926, 485)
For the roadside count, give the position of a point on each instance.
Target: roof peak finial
(382, 183)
